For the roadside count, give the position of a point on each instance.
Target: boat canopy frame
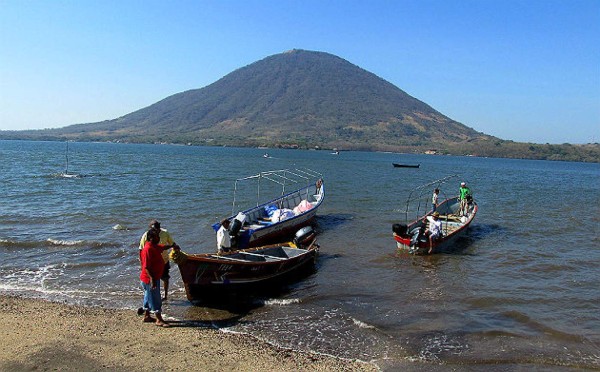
(283, 177)
(420, 197)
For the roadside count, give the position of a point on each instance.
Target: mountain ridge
(302, 99)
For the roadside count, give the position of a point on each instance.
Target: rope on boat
(178, 256)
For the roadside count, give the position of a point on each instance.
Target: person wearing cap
(166, 240)
(463, 197)
(434, 230)
(152, 266)
(223, 238)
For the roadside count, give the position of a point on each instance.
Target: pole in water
(67, 159)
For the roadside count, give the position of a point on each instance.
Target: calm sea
(520, 291)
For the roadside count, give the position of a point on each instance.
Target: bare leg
(147, 317)
(166, 285)
(160, 321)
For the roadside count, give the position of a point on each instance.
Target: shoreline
(42, 335)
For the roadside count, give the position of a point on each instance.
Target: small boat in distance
(66, 174)
(397, 165)
(277, 219)
(209, 276)
(410, 237)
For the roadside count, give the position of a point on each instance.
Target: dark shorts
(165, 275)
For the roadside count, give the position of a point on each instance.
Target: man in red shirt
(152, 266)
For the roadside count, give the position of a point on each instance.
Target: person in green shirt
(464, 196)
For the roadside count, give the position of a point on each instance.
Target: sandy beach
(39, 335)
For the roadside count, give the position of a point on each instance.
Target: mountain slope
(310, 98)
(304, 99)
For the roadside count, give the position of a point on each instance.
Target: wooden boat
(411, 238)
(397, 165)
(254, 270)
(279, 218)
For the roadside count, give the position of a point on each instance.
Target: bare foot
(162, 324)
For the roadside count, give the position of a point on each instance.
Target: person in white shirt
(434, 199)
(223, 238)
(434, 231)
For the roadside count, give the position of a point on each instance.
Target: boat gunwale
(285, 197)
(213, 258)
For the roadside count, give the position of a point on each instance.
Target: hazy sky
(526, 70)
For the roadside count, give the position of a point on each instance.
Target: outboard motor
(235, 227)
(304, 236)
(418, 235)
(236, 224)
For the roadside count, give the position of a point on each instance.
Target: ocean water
(519, 291)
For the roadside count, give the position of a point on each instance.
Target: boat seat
(264, 255)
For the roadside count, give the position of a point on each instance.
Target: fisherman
(167, 240)
(223, 238)
(434, 231)
(464, 197)
(152, 266)
(434, 199)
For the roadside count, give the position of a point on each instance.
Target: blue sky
(526, 70)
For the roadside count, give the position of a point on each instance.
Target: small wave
(71, 175)
(361, 324)
(32, 279)
(50, 242)
(64, 242)
(284, 302)
(120, 227)
(75, 296)
(61, 175)
(435, 347)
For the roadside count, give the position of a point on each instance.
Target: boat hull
(396, 165)
(278, 231)
(208, 276)
(453, 227)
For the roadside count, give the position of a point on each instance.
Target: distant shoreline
(41, 335)
(501, 149)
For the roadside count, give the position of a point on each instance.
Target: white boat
(278, 218)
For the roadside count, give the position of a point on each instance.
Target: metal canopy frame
(416, 196)
(283, 177)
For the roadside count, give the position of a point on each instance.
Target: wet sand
(39, 335)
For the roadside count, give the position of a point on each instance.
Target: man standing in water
(166, 240)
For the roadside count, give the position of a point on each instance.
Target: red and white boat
(410, 236)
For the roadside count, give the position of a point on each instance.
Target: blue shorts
(152, 300)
